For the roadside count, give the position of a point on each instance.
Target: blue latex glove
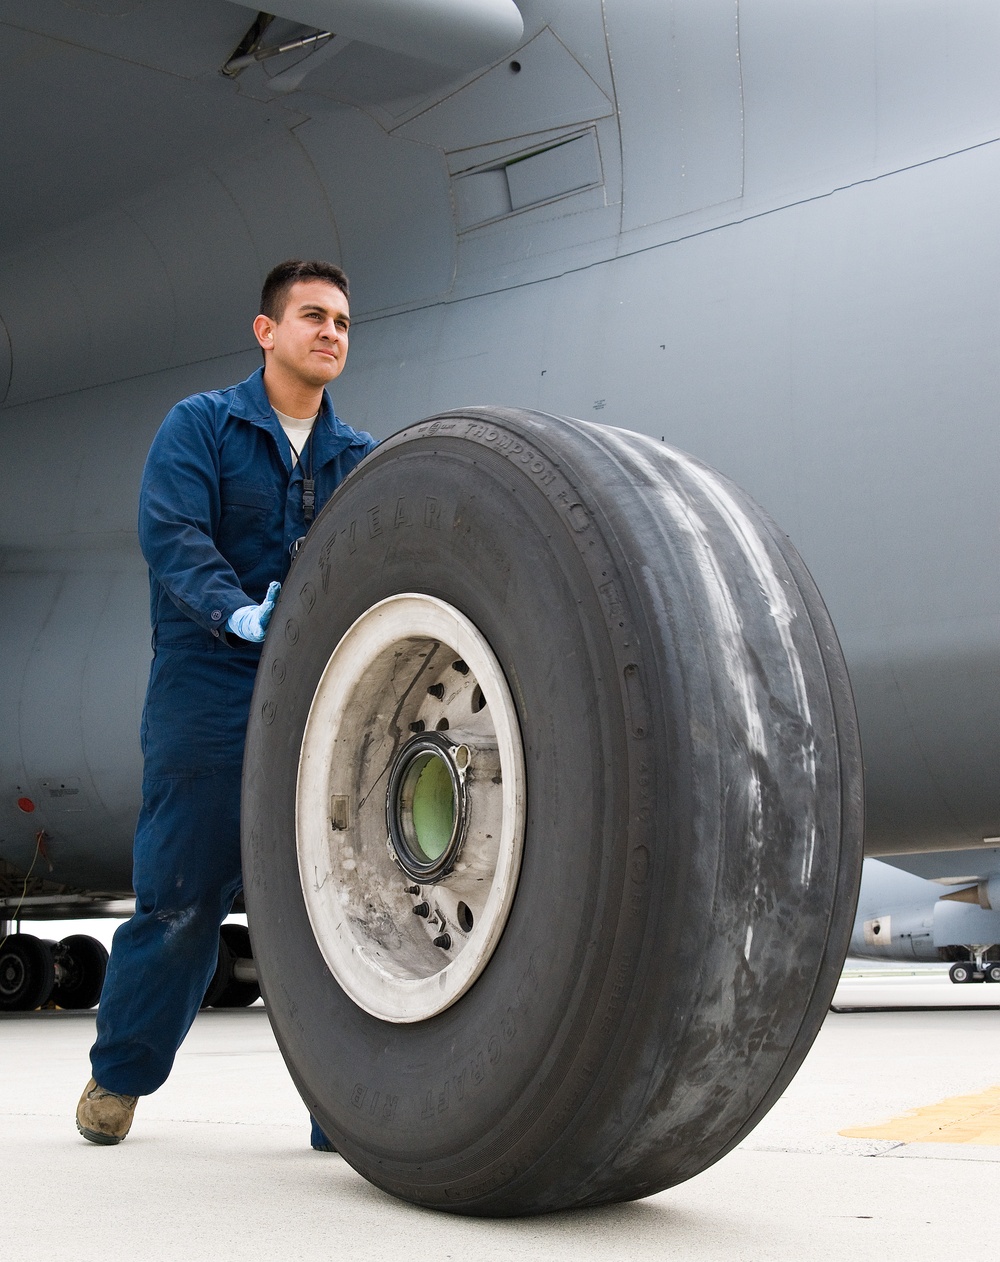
(250, 622)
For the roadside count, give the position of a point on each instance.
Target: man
(232, 481)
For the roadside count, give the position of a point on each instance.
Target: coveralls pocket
(196, 711)
(243, 524)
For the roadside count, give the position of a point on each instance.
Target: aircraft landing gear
(35, 970)
(234, 982)
(27, 973)
(978, 969)
(80, 965)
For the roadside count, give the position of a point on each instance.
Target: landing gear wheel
(961, 972)
(226, 989)
(81, 962)
(552, 815)
(27, 973)
(991, 972)
(237, 993)
(222, 977)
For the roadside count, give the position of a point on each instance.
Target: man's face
(309, 342)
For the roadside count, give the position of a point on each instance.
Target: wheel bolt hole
(436, 690)
(442, 725)
(465, 918)
(460, 666)
(478, 700)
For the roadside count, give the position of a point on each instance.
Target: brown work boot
(104, 1117)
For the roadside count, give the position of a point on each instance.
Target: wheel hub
(12, 975)
(410, 808)
(425, 806)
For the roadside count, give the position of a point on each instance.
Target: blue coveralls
(220, 506)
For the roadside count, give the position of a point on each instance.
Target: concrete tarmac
(218, 1166)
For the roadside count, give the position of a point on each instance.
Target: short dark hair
(280, 279)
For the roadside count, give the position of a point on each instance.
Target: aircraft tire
(83, 963)
(27, 973)
(961, 973)
(991, 973)
(663, 705)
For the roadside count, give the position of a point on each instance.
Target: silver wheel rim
(412, 717)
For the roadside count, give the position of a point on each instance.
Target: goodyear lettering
(326, 562)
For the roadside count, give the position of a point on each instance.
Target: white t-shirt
(296, 430)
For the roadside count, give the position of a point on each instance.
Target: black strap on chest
(308, 481)
(308, 500)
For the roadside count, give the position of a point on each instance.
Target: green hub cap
(425, 806)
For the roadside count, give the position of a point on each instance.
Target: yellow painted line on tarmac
(962, 1119)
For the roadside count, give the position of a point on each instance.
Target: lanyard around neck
(308, 481)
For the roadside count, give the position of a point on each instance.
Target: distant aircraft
(761, 232)
(903, 916)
